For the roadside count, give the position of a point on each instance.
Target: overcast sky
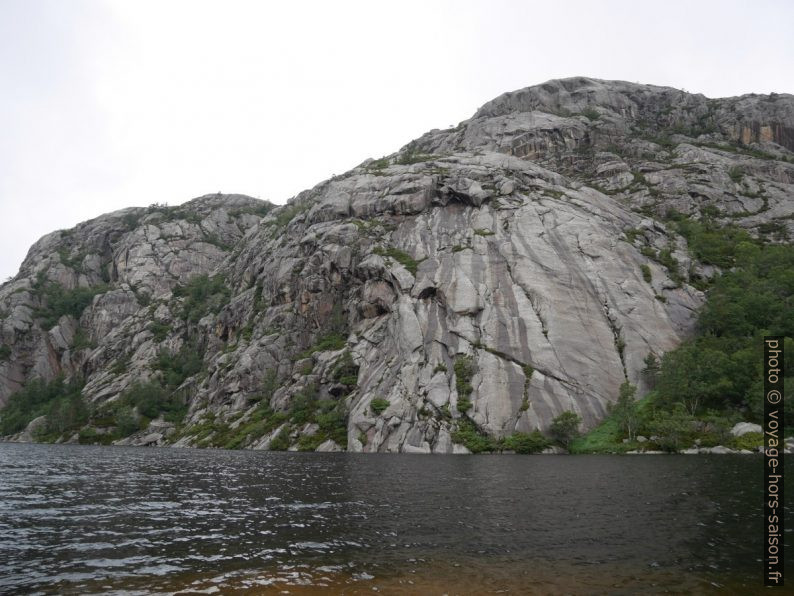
(108, 104)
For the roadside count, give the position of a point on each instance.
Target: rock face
(510, 267)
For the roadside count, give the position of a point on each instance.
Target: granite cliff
(497, 273)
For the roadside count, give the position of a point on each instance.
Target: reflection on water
(77, 519)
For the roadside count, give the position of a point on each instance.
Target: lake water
(84, 519)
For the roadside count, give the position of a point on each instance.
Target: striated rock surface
(523, 250)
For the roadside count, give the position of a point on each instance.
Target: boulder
(742, 428)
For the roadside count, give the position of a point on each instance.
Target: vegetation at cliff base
(565, 428)
(60, 401)
(152, 400)
(713, 380)
(468, 434)
(721, 368)
(66, 411)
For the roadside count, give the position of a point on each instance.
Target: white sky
(108, 104)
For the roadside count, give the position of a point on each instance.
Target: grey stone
(742, 428)
(718, 450)
(519, 242)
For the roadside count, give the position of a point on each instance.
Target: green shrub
(379, 405)
(81, 341)
(120, 366)
(716, 426)
(258, 301)
(202, 429)
(632, 234)
(281, 441)
(345, 371)
(87, 436)
(777, 229)
(646, 273)
(285, 214)
(464, 372)
(604, 438)
(526, 443)
(330, 341)
(749, 441)
(591, 114)
(674, 430)
(565, 427)
(310, 442)
(57, 302)
(401, 257)
(471, 437)
(5, 352)
(90, 436)
(269, 386)
(379, 164)
(333, 422)
(40, 398)
(666, 258)
(66, 413)
(203, 295)
(304, 405)
(151, 400)
(127, 422)
(159, 330)
(258, 210)
(697, 377)
(647, 251)
(464, 405)
(713, 244)
(215, 240)
(261, 421)
(620, 345)
(664, 141)
(177, 367)
(412, 155)
(131, 220)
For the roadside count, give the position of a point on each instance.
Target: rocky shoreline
(158, 435)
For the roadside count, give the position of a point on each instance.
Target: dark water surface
(79, 519)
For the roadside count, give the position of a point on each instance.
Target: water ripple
(77, 519)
